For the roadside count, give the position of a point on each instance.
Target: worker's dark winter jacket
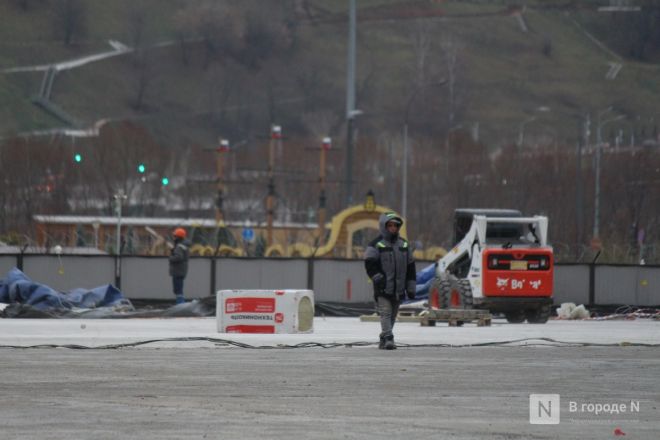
(179, 259)
(389, 262)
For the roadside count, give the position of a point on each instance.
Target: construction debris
(571, 311)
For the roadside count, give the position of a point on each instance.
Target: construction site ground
(179, 378)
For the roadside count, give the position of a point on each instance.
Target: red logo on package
(250, 329)
(279, 318)
(249, 305)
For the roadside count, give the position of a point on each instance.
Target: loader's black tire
(465, 291)
(440, 286)
(462, 287)
(539, 315)
(515, 316)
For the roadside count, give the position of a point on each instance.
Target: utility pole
(119, 197)
(350, 101)
(325, 146)
(275, 137)
(579, 202)
(599, 147)
(404, 177)
(596, 231)
(220, 151)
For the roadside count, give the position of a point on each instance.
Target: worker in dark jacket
(179, 263)
(391, 267)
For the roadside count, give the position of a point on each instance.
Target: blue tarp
(424, 279)
(18, 288)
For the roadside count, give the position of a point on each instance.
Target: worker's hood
(382, 221)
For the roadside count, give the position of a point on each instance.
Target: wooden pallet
(401, 317)
(455, 317)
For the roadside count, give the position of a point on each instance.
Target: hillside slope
(506, 63)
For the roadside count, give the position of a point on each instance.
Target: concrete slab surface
(98, 332)
(199, 389)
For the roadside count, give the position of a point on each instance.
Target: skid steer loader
(500, 262)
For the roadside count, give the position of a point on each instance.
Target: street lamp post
(579, 216)
(325, 146)
(120, 196)
(275, 137)
(351, 112)
(219, 214)
(599, 147)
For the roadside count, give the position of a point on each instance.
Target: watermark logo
(544, 409)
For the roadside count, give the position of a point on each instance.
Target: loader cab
(496, 232)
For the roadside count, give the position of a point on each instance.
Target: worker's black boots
(387, 343)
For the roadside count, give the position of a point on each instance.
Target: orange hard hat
(180, 232)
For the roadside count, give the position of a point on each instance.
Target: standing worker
(390, 265)
(179, 263)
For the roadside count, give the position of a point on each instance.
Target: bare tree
(319, 123)
(143, 78)
(70, 19)
(421, 42)
(450, 49)
(24, 5)
(137, 20)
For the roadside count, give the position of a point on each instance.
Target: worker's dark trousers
(177, 285)
(387, 309)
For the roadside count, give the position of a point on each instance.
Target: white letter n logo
(544, 409)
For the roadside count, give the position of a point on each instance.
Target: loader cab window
(504, 232)
(497, 232)
(461, 227)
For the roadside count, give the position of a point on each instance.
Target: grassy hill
(502, 73)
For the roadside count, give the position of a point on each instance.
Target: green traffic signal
(77, 157)
(165, 181)
(141, 168)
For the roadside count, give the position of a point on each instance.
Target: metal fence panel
(341, 281)
(334, 280)
(282, 274)
(571, 284)
(69, 272)
(648, 286)
(148, 278)
(232, 273)
(6, 264)
(238, 274)
(616, 285)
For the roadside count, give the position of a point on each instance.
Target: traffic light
(141, 168)
(77, 157)
(165, 181)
